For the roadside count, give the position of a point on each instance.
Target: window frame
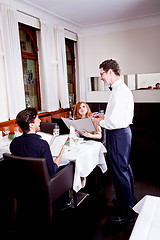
(73, 63)
(31, 56)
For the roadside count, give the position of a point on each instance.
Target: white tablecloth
(4, 145)
(88, 155)
(147, 226)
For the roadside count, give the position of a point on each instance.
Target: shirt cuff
(102, 123)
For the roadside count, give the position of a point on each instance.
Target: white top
(120, 108)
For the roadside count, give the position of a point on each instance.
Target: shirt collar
(31, 135)
(116, 83)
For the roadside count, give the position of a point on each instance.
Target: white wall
(136, 50)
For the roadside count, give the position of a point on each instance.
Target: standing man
(117, 118)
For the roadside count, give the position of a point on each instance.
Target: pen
(95, 114)
(98, 112)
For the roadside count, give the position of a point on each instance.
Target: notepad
(55, 142)
(80, 124)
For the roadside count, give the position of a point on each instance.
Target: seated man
(30, 144)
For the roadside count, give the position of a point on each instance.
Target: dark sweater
(32, 145)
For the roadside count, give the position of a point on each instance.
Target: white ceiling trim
(122, 26)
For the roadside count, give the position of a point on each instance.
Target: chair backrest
(47, 127)
(27, 177)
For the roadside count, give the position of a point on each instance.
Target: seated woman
(82, 110)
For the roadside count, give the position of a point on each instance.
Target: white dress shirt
(120, 108)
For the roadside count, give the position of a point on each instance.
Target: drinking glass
(6, 131)
(76, 143)
(16, 131)
(56, 130)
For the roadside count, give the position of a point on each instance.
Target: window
(30, 66)
(71, 71)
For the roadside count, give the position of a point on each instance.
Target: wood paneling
(45, 117)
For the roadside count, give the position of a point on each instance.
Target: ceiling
(87, 13)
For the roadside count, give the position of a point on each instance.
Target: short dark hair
(111, 64)
(25, 117)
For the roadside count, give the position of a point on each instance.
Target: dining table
(87, 155)
(4, 146)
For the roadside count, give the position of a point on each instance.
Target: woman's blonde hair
(76, 114)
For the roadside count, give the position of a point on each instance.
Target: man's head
(28, 120)
(158, 85)
(109, 71)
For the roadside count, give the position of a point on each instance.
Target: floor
(89, 221)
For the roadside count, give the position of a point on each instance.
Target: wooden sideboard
(45, 117)
(145, 137)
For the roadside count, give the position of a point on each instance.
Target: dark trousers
(118, 148)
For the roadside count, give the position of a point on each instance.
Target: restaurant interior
(50, 53)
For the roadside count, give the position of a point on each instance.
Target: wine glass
(6, 131)
(56, 130)
(16, 131)
(76, 143)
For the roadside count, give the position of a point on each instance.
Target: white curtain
(48, 68)
(82, 87)
(14, 95)
(4, 115)
(53, 69)
(62, 68)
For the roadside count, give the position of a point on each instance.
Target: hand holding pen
(97, 117)
(99, 114)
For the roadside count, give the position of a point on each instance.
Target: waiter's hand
(98, 115)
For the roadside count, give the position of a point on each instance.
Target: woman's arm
(95, 135)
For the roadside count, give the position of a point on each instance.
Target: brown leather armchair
(29, 181)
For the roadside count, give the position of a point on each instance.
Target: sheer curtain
(13, 75)
(48, 67)
(3, 93)
(62, 68)
(53, 69)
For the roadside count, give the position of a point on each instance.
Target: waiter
(117, 118)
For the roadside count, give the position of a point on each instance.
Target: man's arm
(58, 159)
